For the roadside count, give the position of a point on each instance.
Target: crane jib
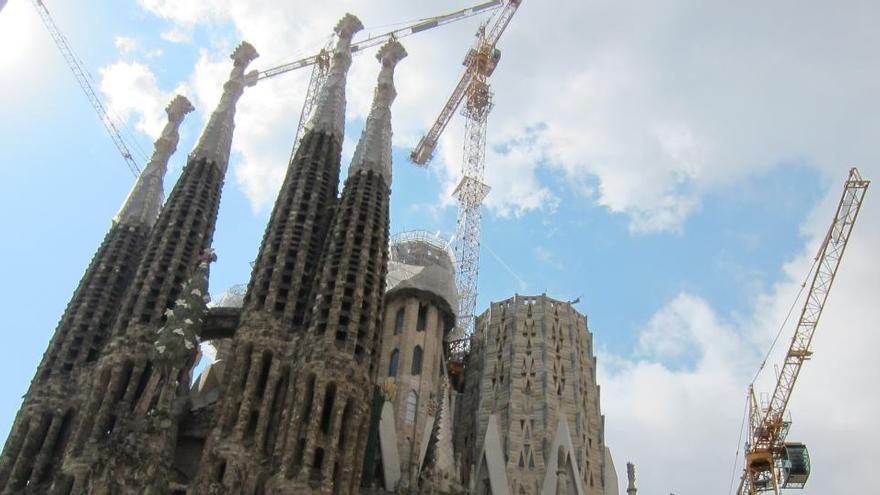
(417, 27)
(772, 463)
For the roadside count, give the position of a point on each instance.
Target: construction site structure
(473, 89)
(771, 462)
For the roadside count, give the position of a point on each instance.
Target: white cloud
(125, 44)
(177, 34)
(131, 89)
(679, 424)
(644, 113)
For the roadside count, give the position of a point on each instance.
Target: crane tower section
(771, 462)
(474, 90)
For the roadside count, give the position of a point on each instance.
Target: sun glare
(19, 28)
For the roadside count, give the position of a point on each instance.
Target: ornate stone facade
(531, 366)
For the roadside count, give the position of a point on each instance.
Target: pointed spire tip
(145, 198)
(216, 140)
(329, 112)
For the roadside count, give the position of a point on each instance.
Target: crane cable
(739, 443)
(787, 316)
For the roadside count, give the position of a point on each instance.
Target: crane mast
(83, 80)
(474, 90)
(771, 463)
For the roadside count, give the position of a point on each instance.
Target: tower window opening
(416, 361)
(412, 401)
(398, 322)
(422, 322)
(392, 366)
(327, 411)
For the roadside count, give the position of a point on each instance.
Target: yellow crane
(473, 89)
(772, 463)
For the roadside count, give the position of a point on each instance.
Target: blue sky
(674, 167)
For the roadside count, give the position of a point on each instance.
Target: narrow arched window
(422, 322)
(416, 361)
(398, 322)
(392, 366)
(412, 400)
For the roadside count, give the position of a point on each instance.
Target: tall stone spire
(35, 447)
(110, 418)
(242, 443)
(216, 140)
(373, 151)
(329, 114)
(145, 198)
(138, 460)
(631, 479)
(287, 262)
(335, 367)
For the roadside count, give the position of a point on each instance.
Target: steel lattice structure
(473, 88)
(765, 454)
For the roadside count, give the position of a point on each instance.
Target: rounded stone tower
(420, 303)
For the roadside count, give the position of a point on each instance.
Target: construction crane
(320, 62)
(473, 88)
(771, 463)
(83, 79)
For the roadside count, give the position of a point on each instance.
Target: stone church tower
(420, 304)
(114, 448)
(241, 449)
(33, 453)
(335, 370)
(530, 418)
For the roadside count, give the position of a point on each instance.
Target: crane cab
(795, 465)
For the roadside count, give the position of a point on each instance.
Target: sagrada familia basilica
(334, 371)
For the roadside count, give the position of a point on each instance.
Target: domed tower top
(422, 263)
